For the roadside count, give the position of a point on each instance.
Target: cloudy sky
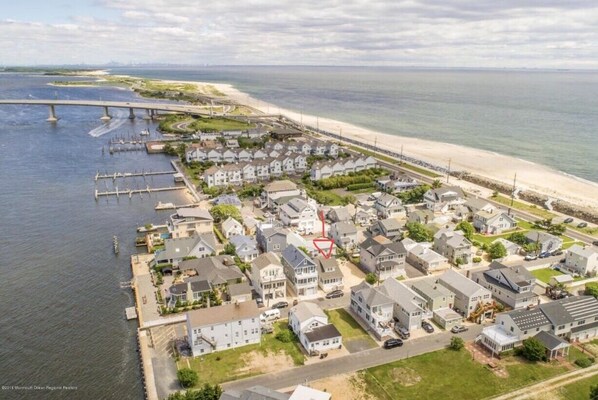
(437, 33)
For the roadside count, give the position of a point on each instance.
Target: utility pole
(376, 144)
(448, 175)
(317, 123)
(401, 157)
(514, 187)
(341, 135)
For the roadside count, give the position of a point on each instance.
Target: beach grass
(449, 374)
(392, 160)
(526, 207)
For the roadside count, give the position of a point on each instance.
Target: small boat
(115, 244)
(145, 132)
(164, 206)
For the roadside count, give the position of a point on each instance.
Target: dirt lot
(345, 387)
(256, 361)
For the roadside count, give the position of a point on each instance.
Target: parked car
(531, 257)
(334, 294)
(458, 329)
(545, 254)
(557, 252)
(260, 302)
(427, 326)
(568, 220)
(281, 304)
(401, 331)
(392, 343)
(595, 242)
(270, 315)
(582, 224)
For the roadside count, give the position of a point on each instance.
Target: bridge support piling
(152, 114)
(131, 114)
(147, 114)
(52, 117)
(106, 116)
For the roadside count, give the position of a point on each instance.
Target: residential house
(546, 242)
(397, 185)
(229, 156)
(196, 154)
(262, 170)
(365, 215)
(299, 214)
(231, 227)
(215, 156)
(234, 325)
(309, 322)
(572, 318)
(423, 217)
(191, 290)
(269, 280)
(320, 170)
(248, 172)
(288, 165)
(332, 149)
(275, 166)
(219, 271)
(409, 307)
(476, 204)
(303, 243)
(454, 246)
(390, 228)
(250, 224)
(300, 162)
(238, 292)
(493, 222)
(215, 176)
(373, 307)
(232, 144)
(285, 133)
(422, 257)
(344, 235)
(244, 155)
(330, 277)
(582, 260)
(470, 297)
(444, 199)
(301, 272)
(232, 134)
(512, 286)
(439, 300)
(383, 257)
(339, 214)
(318, 148)
(245, 247)
(190, 221)
(228, 199)
(276, 190)
(177, 249)
(259, 154)
(271, 238)
(389, 206)
(512, 248)
(306, 148)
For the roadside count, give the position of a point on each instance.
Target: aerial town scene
(365, 223)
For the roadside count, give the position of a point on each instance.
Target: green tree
(436, 184)
(221, 212)
(518, 237)
(533, 349)
(419, 232)
(592, 289)
(414, 195)
(531, 247)
(466, 228)
(558, 229)
(187, 377)
(229, 249)
(456, 343)
(371, 278)
(497, 250)
(594, 392)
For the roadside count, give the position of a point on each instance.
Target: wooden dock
(116, 175)
(131, 192)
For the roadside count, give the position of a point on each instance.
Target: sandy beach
(500, 167)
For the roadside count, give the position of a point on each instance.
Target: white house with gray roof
(444, 199)
(373, 307)
(546, 241)
(422, 257)
(582, 260)
(245, 247)
(175, 250)
(390, 228)
(301, 272)
(512, 286)
(344, 235)
(219, 271)
(330, 276)
(233, 325)
(269, 280)
(454, 246)
(300, 214)
(309, 322)
(469, 296)
(493, 222)
(189, 221)
(410, 308)
(389, 206)
(382, 257)
(231, 227)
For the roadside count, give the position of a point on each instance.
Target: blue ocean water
(547, 117)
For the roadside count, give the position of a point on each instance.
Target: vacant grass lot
(229, 365)
(346, 325)
(447, 374)
(545, 274)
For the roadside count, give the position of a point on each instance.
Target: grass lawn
(579, 390)
(529, 208)
(346, 325)
(488, 239)
(545, 274)
(228, 365)
(219, 124)
(447, 374)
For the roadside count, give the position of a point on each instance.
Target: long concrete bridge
(150, 107)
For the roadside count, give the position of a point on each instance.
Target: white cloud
(485, 33)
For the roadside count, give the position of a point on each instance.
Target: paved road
(352, 363)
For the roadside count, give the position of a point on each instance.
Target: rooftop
(322, 332)
(225, 314)
(306, 310)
